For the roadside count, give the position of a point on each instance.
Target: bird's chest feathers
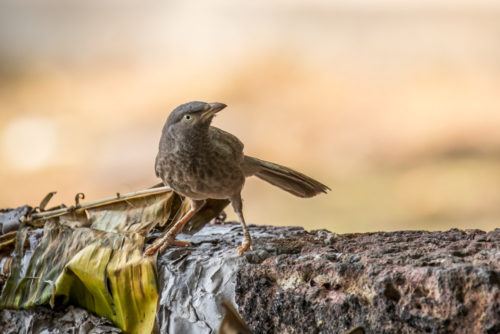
(189, 157)
(195, 167)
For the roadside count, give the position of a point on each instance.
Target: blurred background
(393, 104)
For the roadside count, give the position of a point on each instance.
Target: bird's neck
(187, 141)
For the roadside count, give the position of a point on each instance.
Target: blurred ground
(393, 104)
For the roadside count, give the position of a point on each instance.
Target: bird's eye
(187, 117)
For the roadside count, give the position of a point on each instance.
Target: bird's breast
(201, 175)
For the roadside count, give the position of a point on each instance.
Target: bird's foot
(245, 245)
(161, 244)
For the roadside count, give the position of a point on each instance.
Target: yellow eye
(187, 117)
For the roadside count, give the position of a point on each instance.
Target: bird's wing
(226, 143)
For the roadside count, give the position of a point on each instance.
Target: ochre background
(393, 104)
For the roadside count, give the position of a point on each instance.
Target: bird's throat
(193, 141)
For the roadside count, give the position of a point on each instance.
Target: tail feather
(283, 177)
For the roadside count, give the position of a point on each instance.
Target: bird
(200, 161)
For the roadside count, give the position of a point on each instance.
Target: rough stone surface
(318, 282)
(398, 282)
(195, 281)
(47, 321)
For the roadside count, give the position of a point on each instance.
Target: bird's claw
(245, 245)
(162, 244)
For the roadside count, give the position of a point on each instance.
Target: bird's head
(192, 115)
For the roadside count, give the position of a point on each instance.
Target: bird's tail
(283, 177)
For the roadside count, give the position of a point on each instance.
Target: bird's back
(226, 144)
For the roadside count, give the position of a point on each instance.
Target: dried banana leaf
(92, 257)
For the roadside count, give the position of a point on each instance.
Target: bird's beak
(211, 109)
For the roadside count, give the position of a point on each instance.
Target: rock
(319, 282)
(396, 282)
(47, 321)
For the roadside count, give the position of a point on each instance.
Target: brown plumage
(200, 161)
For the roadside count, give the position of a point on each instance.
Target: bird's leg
(247, 240)
(168, 239)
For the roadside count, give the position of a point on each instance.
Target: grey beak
(211, 109)
(216, 107)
